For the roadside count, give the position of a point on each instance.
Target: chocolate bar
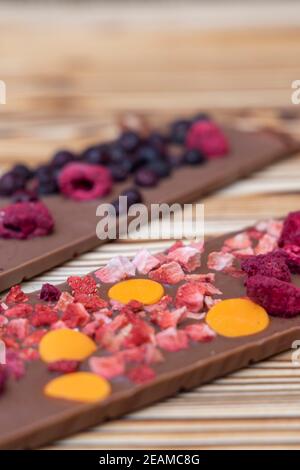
(201, 319)
(75, 222)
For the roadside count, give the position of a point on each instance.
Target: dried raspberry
(83, 182)
(107, 367)
(200, 332)
(273, 265)
(290, 234)
(172, 339)
(75, 315)
(141, 374)
(293, 257)
(220, 261)
(24, 220)
(166, 318)
(19, 311)
(18, 328)
(279, 298)
(3, 378)
(49, 293)
(64, 300)
(190, 295)
(206, 137)
(168, 273)
(93, 303)
(16, 295)
(43, 316)
(82, 285)
(14, 364)
(63, 366)
(145, 262)
(117, 268)
(187, 256)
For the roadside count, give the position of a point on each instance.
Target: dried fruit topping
(75, 315)
(206, 137)
(49, 293)
(200, 332)
(23, 220)
(117, 268)
(168, 273)
(18, 328)
(64, 366)
(290, 234)
(16, 295)
(14, 364)
(167, 318)
(187, 256)
(144, 261)
(141, 374)
(64, 300)
(277, 297)
(83, 182)
(239, 241)
(92, 302)
(82, 285)
(172, 339)
(43, 316)
(19, 311)
(191, 296)
(266, 244)
(107, 367)
(273, 264)
(220, 261)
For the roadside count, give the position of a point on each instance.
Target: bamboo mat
(65, 83)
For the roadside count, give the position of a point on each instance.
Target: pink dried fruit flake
(63, 366)
(75, 315)
(187, 256)
(18, 328)
(19, 311)
(190, 295)
(108, 366)
(16, 295)
(240, 241)
(117, 269)
(43, 315)
(145, 262)
(220, 261)
(141, 374)
(64, 300)
(168, 273)
(82, 285)
(172, 339)
(200, 332)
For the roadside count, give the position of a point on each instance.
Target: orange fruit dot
(78, 386)
(65, 344)
(237, 317)
(144, 290)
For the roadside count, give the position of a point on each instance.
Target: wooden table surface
(65, 84)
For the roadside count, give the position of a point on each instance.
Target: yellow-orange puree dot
(78, 386)
(237, 317)
(145, 291)
(65, 344)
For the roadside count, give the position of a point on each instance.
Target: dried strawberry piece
(18, 328)
(117, 268)
(220, 261)
(172, 339)
(254, 234)
(14, 364)
(168, 273)
(273, 264)
(49, 293)
(166, 318)
(3, 321)
(19, 311)
(141, 374)
(152, 355)
(145, 262)
(209, 302)
(187, 256)
(24, 220)
(279, 298)
(90, 328)
(29, 354)
(209, 277)
(75, 315)
(265, 245)
(140, 333)
(82, 285)
(208, 138)
(271, 226)
(92, 303)
(239, 241)
(136, 354)
(63, 366)
(43, 315)
(243, 253)
(190, 295)
(58, 325)
(200, 332)
(163, 304)
(11, 343)
(16, 295)
(175, 246)
(65, 299)
(291, 230)
(34, 338)
(107, 367)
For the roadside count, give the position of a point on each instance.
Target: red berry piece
(207, 138)
(16, 295)
(64, 366)
(83, 182)
(272, 264)
(82, 285)
(43, 316)
(290, 234)
(24, 220)
(141, 374)
(49, 293)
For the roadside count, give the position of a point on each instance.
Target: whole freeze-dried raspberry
(16, 295)
(83, 182)
(290, 234)
(63, 366)
(279, 298)
(82, 285)
(273, 265)
(24, 220)
(49, 293)
(293, 257)
(207, 137)
(92, 302)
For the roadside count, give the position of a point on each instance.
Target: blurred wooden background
(70, 70)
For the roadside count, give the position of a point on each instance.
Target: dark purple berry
(146, 177)
(49, 293)
(96, 155)
(179, 131)
(129, 141)
(158, 141)
(161, 167)
(147, 154)
(194, 157)
(23, 171)
(121, 171)
(133, 197)
(117, 154)
(62, 158)
(10, 183)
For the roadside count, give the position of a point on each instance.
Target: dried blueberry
(146, 177)
(23, 171)
(179, 131)
(121, 171)
(161, 167)
(116, 153)
(148, 153)
(200, 117)
(133, 197)
(11, 182)
(96, 155)
(62, 158)
(193, 157)
(158, 141)
(129, 141)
